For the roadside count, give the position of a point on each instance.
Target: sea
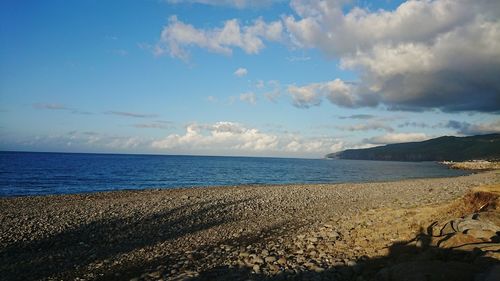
(36, 173)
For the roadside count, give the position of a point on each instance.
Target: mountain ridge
(445, 148)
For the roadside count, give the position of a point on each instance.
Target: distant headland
(446, 148)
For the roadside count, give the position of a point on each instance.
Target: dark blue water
(23, 173)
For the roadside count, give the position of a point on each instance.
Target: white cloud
(212, 99)
(240, 72)
(336, 91)
(88, 141)
(231, 138)
(249, 98)
(425, 54)
(396, 138)
(306, 96)
(442, 54)
(272, 90)
(260, 84)
(177, 37)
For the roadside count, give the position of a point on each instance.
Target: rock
(481, 234)
(351, 263)
(459, 239)
(282, 261)
(312, 239)
(155, 274)
(464, 225)
(333, 234)
(244, 254)
(309, 265)
(317, 269)
(256, 268)
(258, 260)
(270, 259)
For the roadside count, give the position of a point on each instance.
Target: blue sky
(294, 78)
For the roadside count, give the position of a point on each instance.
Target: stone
(282, 261)
(459, 239)
(258, 260)
(270, 259)
(464, 225)
(481, 234)
(256, 268)
(312, 239)
(351, 263)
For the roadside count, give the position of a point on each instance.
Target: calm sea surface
(23, 173)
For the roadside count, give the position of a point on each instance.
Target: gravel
(178, 234)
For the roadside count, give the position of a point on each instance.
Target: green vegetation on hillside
(438, 149)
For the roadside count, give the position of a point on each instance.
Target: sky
(299, 78)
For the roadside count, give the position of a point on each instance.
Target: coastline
(191, 233)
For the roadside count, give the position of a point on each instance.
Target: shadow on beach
(71, 251)
(404, 262)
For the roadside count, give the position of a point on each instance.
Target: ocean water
(26, 173)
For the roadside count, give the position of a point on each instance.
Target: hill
(439, 149)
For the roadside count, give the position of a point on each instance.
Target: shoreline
(145, 234)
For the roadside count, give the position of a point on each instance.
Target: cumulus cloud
(442, 54)
(425, 54)
(237, 139)
(466, 128)
(249, 98)
(396, 138)
(178, 37)
(273, 90)
(240, 4)
(240, 72)
(336, 91)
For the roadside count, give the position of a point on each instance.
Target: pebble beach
(282, 232)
